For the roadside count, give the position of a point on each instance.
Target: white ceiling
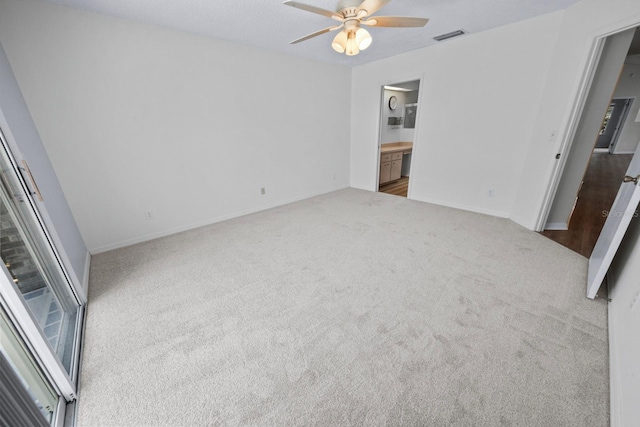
(268, 24)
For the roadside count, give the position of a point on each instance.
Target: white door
(618, 219)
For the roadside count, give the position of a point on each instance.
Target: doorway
(398, 112)
(612, 123)
(606, 136)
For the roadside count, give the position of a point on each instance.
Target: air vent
(450, 35)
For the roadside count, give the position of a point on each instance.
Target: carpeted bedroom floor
(348, 309)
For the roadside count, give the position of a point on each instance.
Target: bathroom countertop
(392, 147)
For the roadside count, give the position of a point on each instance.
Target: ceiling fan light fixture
(352, 14)
(339, 43)
(363, 38)
(352, 44)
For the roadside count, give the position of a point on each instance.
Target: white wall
(137, 118)
(24, 141)
(629, 87)
(479, 96)
(624, 324)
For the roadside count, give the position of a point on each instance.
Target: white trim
(524, 222)
(416, 146)
(152, 236)
(498, 214)
(85, 278)
(623, 152)
(556, 226)
(379, 146)
(164, 233)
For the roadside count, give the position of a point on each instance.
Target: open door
(618, 219)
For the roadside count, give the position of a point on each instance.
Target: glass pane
(26, 254)
(21, 362)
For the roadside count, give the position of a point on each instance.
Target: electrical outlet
(263, 191)
(148, 215)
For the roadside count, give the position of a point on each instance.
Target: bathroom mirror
(410, 115)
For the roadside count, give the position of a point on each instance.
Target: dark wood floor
(601, 183)
(397, 188)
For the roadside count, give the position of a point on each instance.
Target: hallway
(601, 182)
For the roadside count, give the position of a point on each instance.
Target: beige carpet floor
(348, 309)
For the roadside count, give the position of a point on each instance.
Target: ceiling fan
(352, 14)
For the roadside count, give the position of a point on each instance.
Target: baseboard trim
(556, 226)
(526, 223)
(499, 214)
(152, 236)
(614, 404)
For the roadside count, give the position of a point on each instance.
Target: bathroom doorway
(398, 114)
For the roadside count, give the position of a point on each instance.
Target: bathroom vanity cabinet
(391, 158)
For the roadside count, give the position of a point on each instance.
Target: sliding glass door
(34, 285)
(34, 272)
(33, 400)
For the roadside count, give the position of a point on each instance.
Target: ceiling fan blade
(395, 21)
(372, 6)
(314, 9)
(317, 33)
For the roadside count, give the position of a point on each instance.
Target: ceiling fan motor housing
(348, 4)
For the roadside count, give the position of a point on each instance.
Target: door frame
(575, 113)
(391, 82)
(622, 120)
